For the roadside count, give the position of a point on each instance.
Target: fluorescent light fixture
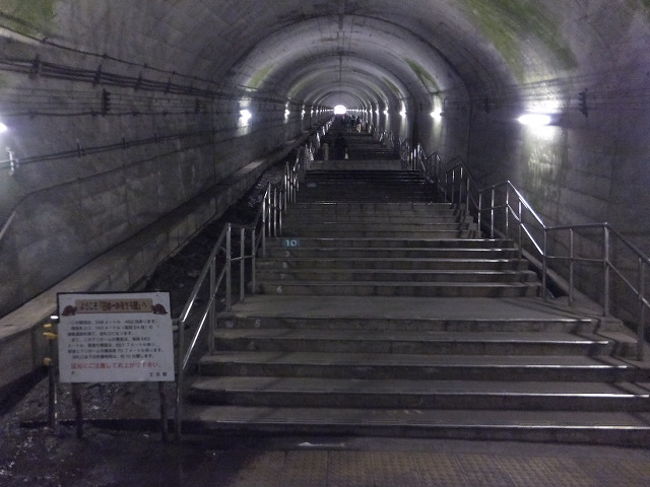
(535, 119)
(340, 110)
(3, 128)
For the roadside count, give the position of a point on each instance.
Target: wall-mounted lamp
(245, 116)
(3, 128)
(535, 119)
(436, 114)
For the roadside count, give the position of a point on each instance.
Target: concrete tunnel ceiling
(395, 56)
(428, 45)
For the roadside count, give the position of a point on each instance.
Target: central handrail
(456, 184)
(268, 222)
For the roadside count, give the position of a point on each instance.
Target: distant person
(340, 147)
(326, 151)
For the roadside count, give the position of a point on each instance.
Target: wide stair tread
(567, 426)
(405, 341)
(432, 394)
(423, 360)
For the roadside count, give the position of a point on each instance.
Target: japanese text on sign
(115, 338)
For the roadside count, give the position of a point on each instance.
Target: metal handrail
(461, 189)
(268, 222)
(7, 224)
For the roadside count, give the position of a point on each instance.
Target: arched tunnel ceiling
(399, 58)
(382, 87)
(474, 46)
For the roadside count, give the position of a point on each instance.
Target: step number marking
(291, 243)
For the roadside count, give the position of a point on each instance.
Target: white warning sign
(111, 337)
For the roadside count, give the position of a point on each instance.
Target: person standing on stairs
(340, 147)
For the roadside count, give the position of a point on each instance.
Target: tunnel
(127, 125)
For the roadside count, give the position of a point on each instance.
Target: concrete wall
(591, 164)
(22, 346)
(74, 207)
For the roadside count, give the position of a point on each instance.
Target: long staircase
(382, 312)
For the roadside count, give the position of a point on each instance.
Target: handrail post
(480, 213)
(286, 184)
(253, 259)
(273, 231)
(467, 184)
(492, 199)
(507, 210)
(460, 186)
(178, 413)
(641, 328)
(276, 198)
(571, 265)
(228, 267)
(446, 189)
(453, 186)
(264, 208)
(606, 270)
(545, 265)
(519, 231)
(242, 263)
(213, 308)
(283, 208)
(269, 211)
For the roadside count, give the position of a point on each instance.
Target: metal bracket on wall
(36, 68)
(584, 108)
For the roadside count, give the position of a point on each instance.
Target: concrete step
(316, 231)
(365, 190)
(377, 207)
(362, 175)
(324, 212)
(392, 275)
(418, 342)
(354, 198)
(375, 366)
(378, 191)
(613, 428)
(325, 226)
(424, 394)
(574, 326)
(398, 288)
(458, 243)
(343, 181)
(306, 197)
(349, 184)
(390, 263)
(309, 219)
(380, 164)
(392, 252)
